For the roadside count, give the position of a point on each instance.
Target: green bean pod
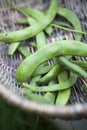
(37, 98)
(34, 80)
(72, 18)
(50, 95)
(30, 12)
(82, 64)
(62, 24)
(43, 70)
(28, 32)
(24, 51)
(63, 47)
(13, 47)
(67, 84)
(40, 40)
(73, 67)
(56, 24)
(33, 13)
(51, 74)
(40, 37)
(64, 95)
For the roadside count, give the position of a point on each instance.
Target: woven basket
(9, 88)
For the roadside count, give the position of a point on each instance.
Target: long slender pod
(63, 96)
(28, 32)
(73, 19)
(49, 51)
(56, 87)
(73, 67)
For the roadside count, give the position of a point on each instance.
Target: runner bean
(67, 84)
(28, 32)
(49, 51)
(73, 67)
(51, 74)
(64, 95)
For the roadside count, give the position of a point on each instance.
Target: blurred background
(12, 118)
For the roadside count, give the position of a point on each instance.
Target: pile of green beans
(44, 81)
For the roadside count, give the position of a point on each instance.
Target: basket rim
(64, 112)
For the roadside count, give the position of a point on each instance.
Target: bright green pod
(72, 18)
(73, 67)
(56, 87)
(49, 51)
(64, 95)
(33, 30)
(51, 74)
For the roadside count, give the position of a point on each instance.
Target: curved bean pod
(82, 64)
(34, 13)
(75, 68)
(72, 18)
(64, 12)
(33, 30)
(63, 24)
(24, 51)
(56, 24)
(43, 70)
(40, 37)
(63, 96)
(50, 95)
(63, 47)
(40, 40)
(13, 47)
(67, 84)
(51, 74)
(30, 12)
